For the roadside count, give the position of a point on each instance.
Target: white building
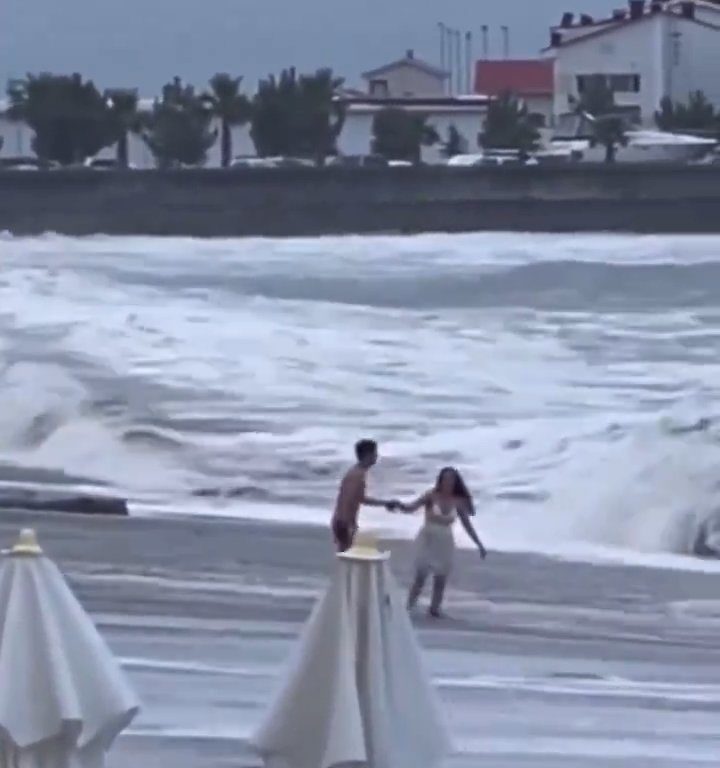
(417, 87)
(465, 113)
(649, 50)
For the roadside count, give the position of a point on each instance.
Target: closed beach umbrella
(356, 693)
(63, 697)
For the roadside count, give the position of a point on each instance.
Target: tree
(69, 116)
(597, 104)
(231, 107)
(697, 116)
(298, 116)
(178, 130)
(609, 132)
(597, 98)
(508, 125)
(400, 135)
(455, 143)
(123, 103)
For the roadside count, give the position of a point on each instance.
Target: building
(643, 52)
(417, 87)
(465, 113)
(406, 78)
(529, 79)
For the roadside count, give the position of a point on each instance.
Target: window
(379, 88)
(586, 83)
(616, 83)
(625, 83)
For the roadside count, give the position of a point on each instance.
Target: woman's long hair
(460, 490)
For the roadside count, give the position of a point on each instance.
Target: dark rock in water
(701, 425)
(52, 501)
(703, 546)
(233, 492)
(513, 445)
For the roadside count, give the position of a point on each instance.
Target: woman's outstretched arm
(464, 515)
(420, 502)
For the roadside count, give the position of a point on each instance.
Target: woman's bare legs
(438, 592)
(416, 588)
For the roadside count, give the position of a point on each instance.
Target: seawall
(308, 201)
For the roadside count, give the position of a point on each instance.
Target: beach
(219, 386)
(541, 662)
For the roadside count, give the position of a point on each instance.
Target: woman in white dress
(447, 502)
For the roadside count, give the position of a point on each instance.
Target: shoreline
(315, 540)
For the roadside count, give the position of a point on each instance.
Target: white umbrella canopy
(357, 694)
(63, 697)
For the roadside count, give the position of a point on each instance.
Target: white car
(25, 164)
(104, 164)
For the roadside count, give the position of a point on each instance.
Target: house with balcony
(644, 52)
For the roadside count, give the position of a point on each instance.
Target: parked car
(356, 161)
(104, 164)
(271, 162)
(26, 163)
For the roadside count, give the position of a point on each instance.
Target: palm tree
(123, 103)
(509, 125)
(609, 132)
(597, 106)
(231, 107)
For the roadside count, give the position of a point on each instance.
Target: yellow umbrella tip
(27, 543)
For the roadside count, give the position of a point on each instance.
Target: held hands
(394, 505)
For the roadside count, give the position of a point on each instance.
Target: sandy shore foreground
(542, 663)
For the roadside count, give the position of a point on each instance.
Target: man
(351, 496)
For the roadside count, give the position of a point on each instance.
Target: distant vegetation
(290, 115)
(400, 135)
(697, 116)
(598, 102)
(509, 125)
(297, 115)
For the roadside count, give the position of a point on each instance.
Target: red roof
(524, 77)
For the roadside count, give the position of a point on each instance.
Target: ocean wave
(234, 377)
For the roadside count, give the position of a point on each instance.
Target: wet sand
(542, 663)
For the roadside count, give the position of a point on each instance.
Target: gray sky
(144, 43)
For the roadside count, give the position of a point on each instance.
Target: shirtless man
(352, 495)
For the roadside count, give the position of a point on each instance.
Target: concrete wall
(258, 202)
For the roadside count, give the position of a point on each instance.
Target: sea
(573, 379)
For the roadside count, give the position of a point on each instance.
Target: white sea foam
(546, 367)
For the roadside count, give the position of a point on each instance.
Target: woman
(448, 501)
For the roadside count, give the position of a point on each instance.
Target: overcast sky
(144, 43)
